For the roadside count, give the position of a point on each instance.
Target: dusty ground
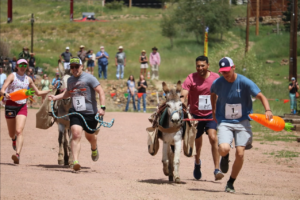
(125, 170)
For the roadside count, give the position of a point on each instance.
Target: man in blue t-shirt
(231, 104)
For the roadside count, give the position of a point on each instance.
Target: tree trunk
(197, 37)
(171, 40)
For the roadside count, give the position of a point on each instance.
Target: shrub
(115, 5)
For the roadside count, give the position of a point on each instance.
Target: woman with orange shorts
(16, 111)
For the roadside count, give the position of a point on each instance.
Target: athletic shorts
(241, 132)
(12, 109)
(204, 125)
(77, 120)
(66, 65)
(91, 64)
(144, 66)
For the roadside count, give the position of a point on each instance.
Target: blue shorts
(204, 125)
(91, 64)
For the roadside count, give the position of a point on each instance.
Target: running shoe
(218, 174)
(197, 171)
(95, 155)
(76, 166)
(229, 188)
(14, 143)
(15, 158)
(224, 164)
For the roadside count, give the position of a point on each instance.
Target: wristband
(181, 96)
(103, 107)
(268, 110)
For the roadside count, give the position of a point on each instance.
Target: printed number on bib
(79, 103)
(233, 111)
(204, 102)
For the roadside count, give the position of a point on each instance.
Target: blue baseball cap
(225, 64)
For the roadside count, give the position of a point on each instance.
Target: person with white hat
(293, 89)
(16, 111)
(102, 57)
(231, 105)
(65, 58)
(154, 63)
(120, 61)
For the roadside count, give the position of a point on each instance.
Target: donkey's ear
(165, 88)
(61, 69)
(178, 87)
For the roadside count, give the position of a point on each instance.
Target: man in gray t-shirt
(65, 58)
(120, 61)
(82, 87)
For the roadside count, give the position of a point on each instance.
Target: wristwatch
(103, 108)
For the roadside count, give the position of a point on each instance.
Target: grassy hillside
(137, 29)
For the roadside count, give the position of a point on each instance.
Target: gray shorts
(241, 132)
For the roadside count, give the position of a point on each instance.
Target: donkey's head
(174, 105)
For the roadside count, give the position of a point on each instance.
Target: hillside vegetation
(139, 28)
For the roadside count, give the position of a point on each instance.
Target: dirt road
(125, 170)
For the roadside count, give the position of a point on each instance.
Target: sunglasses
(74, 66)
(22, 66)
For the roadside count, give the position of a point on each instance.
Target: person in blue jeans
(293, 88)
(142, 86)
(102, 57)
(131, 92)
(120, 61)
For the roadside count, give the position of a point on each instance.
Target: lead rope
(99, 120)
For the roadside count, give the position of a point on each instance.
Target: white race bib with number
(233, 111)
(79, 103)
(204, 102)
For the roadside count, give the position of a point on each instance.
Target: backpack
(44, 118)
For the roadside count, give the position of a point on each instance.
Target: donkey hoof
(171, 178)
(61, 162)
(177, 180)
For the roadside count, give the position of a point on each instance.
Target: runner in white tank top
(16, 112)
(19, 82)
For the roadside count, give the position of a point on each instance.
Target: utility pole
(293, 40)
(130, 3)
(32, 22)
(247, 26)
(71, 10)
(257, 18)
(9, 11)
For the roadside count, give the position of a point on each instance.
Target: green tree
(194, 16)
(287, 16)
(168, 28)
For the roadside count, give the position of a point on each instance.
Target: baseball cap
(225, 64)
(22, 61)
(67, 48)
(120, 47)
(293, 78)
(102, 47)
(75, 61)
(81, 46)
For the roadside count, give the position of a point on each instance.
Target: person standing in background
(82, 55)
(65, 58)
(120, 61)
(13, 64)
(144, 63)
(56, 81)
(154, 63)
(2, 79)
(32, 62)
(45, 85)
(91, 61)
(24, 54)
(142, 86)
(293, 88)
(131, 92)
(102, 57)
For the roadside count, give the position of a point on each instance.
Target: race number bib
(204, 102)
(79, 103)
(233, 111)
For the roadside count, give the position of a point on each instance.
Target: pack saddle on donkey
(169, 126)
